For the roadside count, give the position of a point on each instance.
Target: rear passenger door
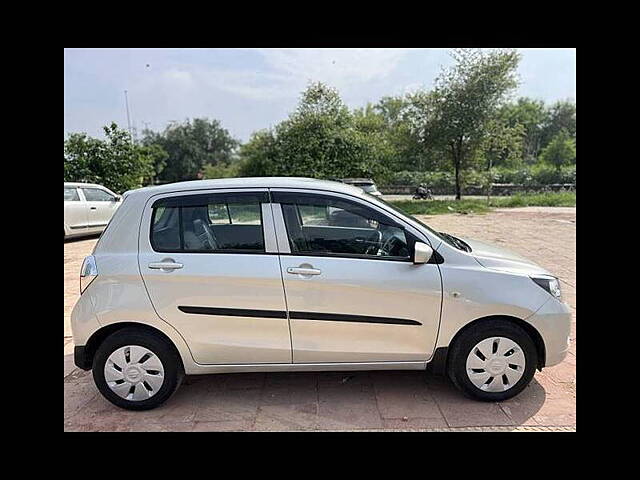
(353, 292)
(75, 211)
(209, 262)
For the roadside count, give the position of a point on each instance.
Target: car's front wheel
(492, 361)
(136, 369)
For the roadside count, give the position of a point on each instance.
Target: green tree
(561, 116)
(222, 171)
(532, 116)
(190, 146)
(115, 162)
(158, 158)
(457, 114)
(321, 139)
(258, 154)
(408, 151)
(502, 145)
(560, 151)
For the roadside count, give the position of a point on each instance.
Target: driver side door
(352, 289)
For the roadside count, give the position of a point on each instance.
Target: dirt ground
(354, 400)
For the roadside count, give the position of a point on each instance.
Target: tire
(465, 362)
(159, 373)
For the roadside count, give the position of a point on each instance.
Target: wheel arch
(438, 363)
(99, 336)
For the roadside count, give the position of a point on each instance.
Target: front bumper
(553, 321)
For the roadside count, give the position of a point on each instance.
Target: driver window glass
(329, 227)
(97, 195)
(314, 214)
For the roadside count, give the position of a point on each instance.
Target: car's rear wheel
(492, 361)
(137, 369)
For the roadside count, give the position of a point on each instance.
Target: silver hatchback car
(296, 274)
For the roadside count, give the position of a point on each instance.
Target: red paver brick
(351, 400)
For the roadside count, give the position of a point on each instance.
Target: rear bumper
(81, 359)
(553, 321)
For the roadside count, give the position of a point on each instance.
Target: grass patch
(547, 199)
(437, 207)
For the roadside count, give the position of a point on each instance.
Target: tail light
(88, 272)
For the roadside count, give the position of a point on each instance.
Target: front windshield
(445, 237)
(367, 187)
(405, 214)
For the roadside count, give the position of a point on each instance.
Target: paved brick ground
(360, 400)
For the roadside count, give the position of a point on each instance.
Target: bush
(432, 179)
(529, 176)
(222, 170)
(537, 175)
(436, 207)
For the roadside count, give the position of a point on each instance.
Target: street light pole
(126, 102)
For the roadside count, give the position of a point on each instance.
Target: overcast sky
(251, 89)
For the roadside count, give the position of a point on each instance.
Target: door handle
(93, 208)
(165, 266)
(303, 271)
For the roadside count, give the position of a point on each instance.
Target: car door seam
(284, 290)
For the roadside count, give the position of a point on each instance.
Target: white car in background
(366, 184)
(87, 208)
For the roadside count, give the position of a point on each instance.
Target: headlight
(88, 272)
(550, 284)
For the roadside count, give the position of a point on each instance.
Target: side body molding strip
(329, 317)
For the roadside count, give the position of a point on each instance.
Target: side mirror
(422, 253)
(117, 198)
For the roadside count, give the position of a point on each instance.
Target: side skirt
(198, 369)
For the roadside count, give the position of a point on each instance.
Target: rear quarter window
(71, 194)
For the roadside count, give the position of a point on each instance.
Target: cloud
(287, 72)
(340, 67)
(178, 77)
(247, 84)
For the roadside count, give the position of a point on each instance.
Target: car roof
(249, 182)
(80, 184)
(357, 180)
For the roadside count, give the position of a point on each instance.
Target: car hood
(497, 258)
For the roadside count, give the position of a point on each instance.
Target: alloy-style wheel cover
(495, 364)
(134, 373)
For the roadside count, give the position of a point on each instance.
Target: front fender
(472, 292)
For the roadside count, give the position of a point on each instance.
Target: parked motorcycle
(423, 193)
